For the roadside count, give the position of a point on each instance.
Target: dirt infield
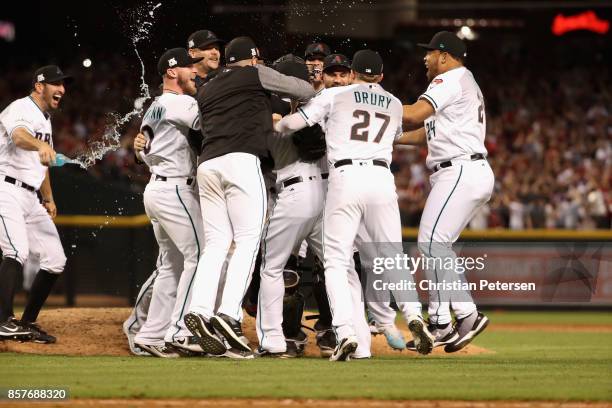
(310, 403)
(79, 332)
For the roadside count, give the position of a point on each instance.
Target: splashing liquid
(111, 138)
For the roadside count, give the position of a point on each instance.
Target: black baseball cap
(447, 42)
(240, 48)
(50, 74)
(292, 67)
(202, 39)
(336, 60)
(175, 57)
(367, 62)
(318, 49)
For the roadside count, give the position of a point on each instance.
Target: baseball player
(451, 117)
(314, 55)
(26, 151)
(298, 180)
(172, 204)
(204, 44)
(361, 122)
(337, 72)
(236, 117)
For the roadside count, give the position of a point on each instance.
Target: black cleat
(205, 334)
(467, 328)
(12, 329)
(38, 334)
(232, 331)
(326, 341)
(345, 349)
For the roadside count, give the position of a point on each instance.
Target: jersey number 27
(360, 131)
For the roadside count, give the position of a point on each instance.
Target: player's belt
(299, 179)
(18, 183)
(187, 181)
(324, 176)
(348, 162)
(443, 165)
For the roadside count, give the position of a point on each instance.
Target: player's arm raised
(412, 137)
(415, 114)
(47, 196)
(25, 140)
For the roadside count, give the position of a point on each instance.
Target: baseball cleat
(423, 340)
(443, 335)
(12, 329)
(326, 341)
(187, 346)
(134, 349)
(395, 338)
(345, 349)
(204, 334)
(467, 328)
(236, 354)
(269, 354)
(159, 351)
(38, 334)
(232, 331)
(372, 324)
(297, 344)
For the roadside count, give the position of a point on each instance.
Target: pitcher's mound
(98, 332)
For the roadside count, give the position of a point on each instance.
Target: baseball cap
(317, 49)
(175, 57)
(50, 74)
(336, 60)
(447, 42)
(202, 39)
(292, 67)
(240, 48)
(367, 62)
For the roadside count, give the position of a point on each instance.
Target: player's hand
(50, 207)
(46, 154)
(276, 118)
(140, 142)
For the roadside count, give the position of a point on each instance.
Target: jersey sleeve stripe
(430, 100)
(194, 122)
(303, 115)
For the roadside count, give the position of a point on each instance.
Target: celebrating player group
(251, 167)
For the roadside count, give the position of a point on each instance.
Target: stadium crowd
(548, 137)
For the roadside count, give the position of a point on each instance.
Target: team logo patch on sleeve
(437, 81)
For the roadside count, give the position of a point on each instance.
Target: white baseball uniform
(25, 225)
(462, 181)
(172, 204)
(361, 122)
(295, 217)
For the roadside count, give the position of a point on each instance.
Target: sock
(41, 287)
(10, 271)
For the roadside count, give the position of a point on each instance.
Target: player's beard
(187, 84)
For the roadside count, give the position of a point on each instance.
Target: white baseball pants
(25, 226)
(233, 200)
(358, 194)
(174, 210)
(456, 195)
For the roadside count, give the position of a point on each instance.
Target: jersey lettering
(45, 137)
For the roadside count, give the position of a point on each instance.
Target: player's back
(363, 122)
(166, 123)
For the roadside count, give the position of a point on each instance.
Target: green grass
(525, 366)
